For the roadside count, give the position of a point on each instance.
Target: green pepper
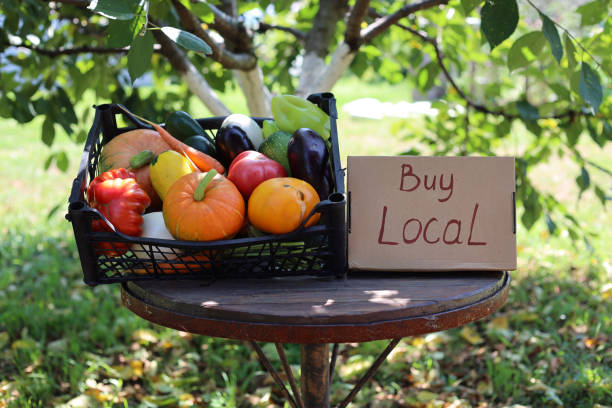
(292, 112)
(269, 127)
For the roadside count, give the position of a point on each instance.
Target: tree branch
(383, 23)
(299, 35)
(196, 83)
(231, 28)
(323, 28)
(316, 45)
(229, 7)
(570, 113)
(243, 61)
(353, 24)
(224, 22)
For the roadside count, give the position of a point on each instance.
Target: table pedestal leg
(315, 375)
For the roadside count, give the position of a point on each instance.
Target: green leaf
(203, 11)
(573, 234)
(48, 131)
(81, 136)
(122, 32)
(48, 161)
(139, 56)
(525, 50)
(527, 111)
(552, 35)
(607, 130)
(590, 87)
(469, 5)
(56, 345)
(573, 132)
(427, 76)
(41, 106)
(116, 9)
(570, 51)
(61, 110)
(597, 137)
(533, 210)
(533, 127)
(550, 224)
(559, 89)
(499, 19)
(66, 107)
(187, 40)
(61, 160)
(601, 195)
(593, 12)
(575, 82)
(359, 64)
(23, 110)
(159, 9)
(583, 180)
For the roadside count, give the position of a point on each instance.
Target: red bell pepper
(250, 168)
(117, 195)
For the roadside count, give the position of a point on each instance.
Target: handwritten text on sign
(431, 213)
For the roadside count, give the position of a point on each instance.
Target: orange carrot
(200, 159)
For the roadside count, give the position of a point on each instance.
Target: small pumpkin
(203, 207)
(280, 205)
(176, 264)
(134, 150)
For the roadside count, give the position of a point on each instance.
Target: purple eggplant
(309, 159)
(230, 142)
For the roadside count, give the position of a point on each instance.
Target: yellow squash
(166, 168)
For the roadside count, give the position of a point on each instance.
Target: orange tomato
(279, 205)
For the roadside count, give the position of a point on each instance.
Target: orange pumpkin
(130, 150)
(175, 264)
(203, 207)
(279, 205)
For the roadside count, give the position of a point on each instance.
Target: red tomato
(250, 168)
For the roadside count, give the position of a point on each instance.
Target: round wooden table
(315, 312)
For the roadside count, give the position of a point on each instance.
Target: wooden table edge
(317, 333)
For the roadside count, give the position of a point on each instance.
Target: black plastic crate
(319, 250)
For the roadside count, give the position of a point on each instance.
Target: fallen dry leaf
(144, 336)
(499, 323)
(471, 335)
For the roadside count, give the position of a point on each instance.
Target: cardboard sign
(409, 213)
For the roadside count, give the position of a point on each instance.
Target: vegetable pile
(178, 182)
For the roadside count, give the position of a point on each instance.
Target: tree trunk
(255, 91)
(188, 72)
(312, 68)
(326, 76)
(340, 62)
(202, 90)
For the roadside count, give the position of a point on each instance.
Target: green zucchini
(202, 144)
(181, 125)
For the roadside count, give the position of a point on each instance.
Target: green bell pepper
(292, 112)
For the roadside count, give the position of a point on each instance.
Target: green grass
(61, 341)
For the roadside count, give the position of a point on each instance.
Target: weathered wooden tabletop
(363, 307)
